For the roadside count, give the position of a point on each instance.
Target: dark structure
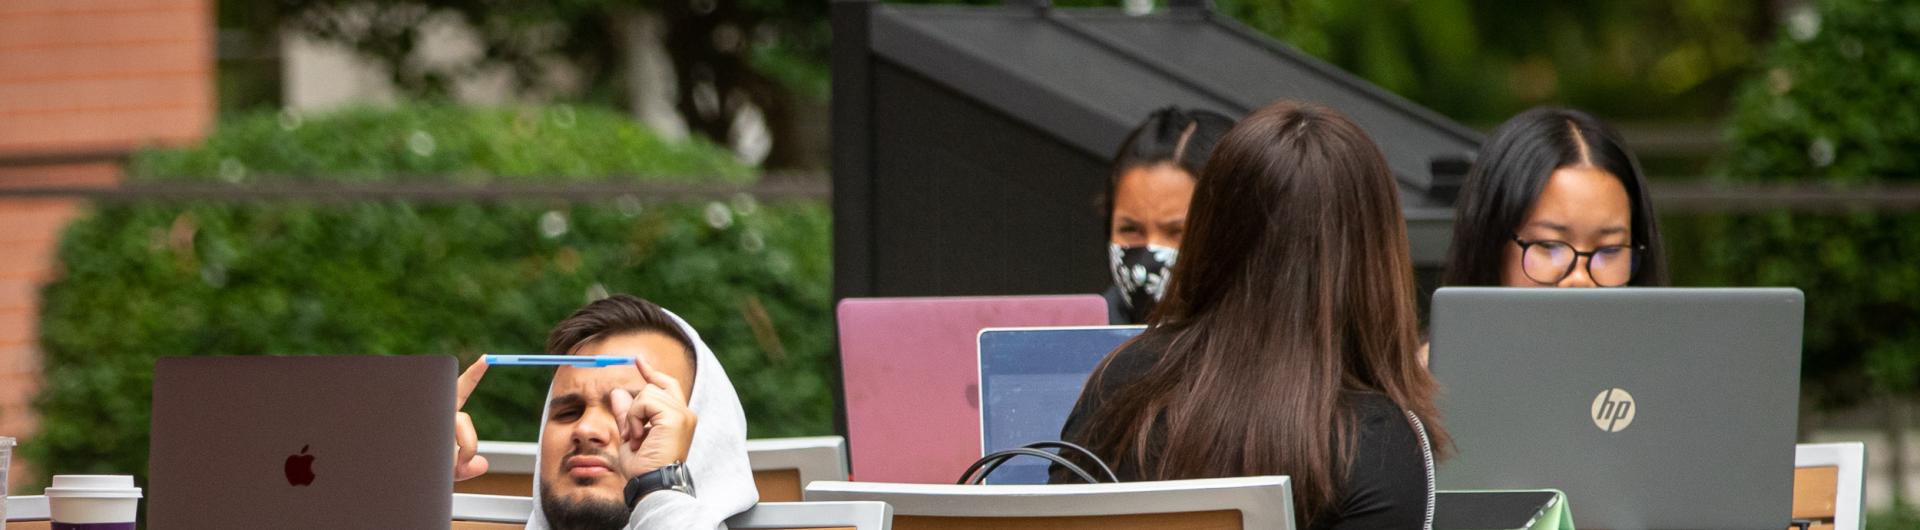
(971, 144)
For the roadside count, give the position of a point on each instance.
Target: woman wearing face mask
(1151, 184)
(1555, 200)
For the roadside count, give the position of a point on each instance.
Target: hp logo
(1613, 410)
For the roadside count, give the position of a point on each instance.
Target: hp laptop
(1650, 408)
(911, 383)
(301, 443)
(1029, 380)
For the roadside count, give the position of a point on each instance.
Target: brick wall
(80, 76)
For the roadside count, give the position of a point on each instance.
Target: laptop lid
(1651, 408)
(911, 385)
(1030, 379)
(301, 442)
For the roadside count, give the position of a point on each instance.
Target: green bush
(439, 144)
(149, 280)
(1897, 518)
(1834, 102)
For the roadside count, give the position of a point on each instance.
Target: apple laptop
(1651, 408)
(1030, 379)
(301, 443)
(911, 382)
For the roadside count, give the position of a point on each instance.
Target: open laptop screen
(1029, 381)
(912, 391)
(1650, 407)
(301, 442)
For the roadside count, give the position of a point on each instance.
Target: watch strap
(663, 478)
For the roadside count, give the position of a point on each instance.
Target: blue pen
(576, 361)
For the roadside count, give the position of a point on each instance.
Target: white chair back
(1828, 480)
(491, 508)
(27, 508)
(509, 469)
(1260, 502)
(783, 467)
(513, 510)
(27, 512)
(800, 515)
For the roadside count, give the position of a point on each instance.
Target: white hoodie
(722, 478)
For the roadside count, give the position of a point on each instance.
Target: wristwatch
(673, 477)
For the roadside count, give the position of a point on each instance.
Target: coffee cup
(93, 502)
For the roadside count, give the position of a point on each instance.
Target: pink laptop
(909, 367)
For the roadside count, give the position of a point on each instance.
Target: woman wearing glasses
(1555, 200)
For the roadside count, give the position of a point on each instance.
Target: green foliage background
(150, 280)
(1832, 103)
(438, 143)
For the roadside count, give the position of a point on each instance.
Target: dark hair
(610, 316)
(1509, 174)
(1295, 286)
(1170, 135)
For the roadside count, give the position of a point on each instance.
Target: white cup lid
(92, 481)
(92, 493)
(93, 486)
(7, 441)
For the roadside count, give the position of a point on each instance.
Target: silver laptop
(301, 443)
(1030, 378)
(1651, 408)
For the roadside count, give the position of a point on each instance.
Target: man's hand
(656, 427)
(467, 462)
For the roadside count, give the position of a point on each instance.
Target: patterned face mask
(1141, 273)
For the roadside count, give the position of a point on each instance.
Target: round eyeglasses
(1549, 261)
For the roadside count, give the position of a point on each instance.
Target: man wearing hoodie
(660, 443)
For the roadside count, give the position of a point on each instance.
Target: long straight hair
(1295, 286)
(1511, 171)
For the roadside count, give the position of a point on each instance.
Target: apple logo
(300, 468)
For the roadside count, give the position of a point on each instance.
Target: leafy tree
(1478, 61)
(1834, 105)
(1481, 61)
(726, 54)
(145, 280)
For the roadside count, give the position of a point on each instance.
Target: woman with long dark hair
(1555, 199)
(1285, 344)
(1147, 196)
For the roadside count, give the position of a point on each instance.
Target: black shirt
(1117, 308)
(1386, 487)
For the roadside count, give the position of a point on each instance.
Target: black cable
(986, 464)
(988, 470)
(1065, 445)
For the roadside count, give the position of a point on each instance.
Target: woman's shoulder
(1377, 415)
(1116, 308)
(1382, 425)
(1134, 358)
(1370, 404)
(1387, 483)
